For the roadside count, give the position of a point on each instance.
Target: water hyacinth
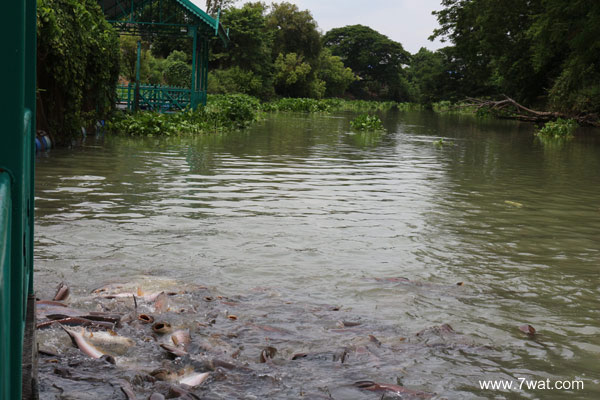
(237, 111)
(559, 129)
(221, 113)
(366, 122)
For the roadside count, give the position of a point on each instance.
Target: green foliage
(128, 48)
(155, 70)
(540, 52)
(78, 66)
(235, 80)
(176, 69)
(565, 42)
(331, 105)
(233, 111)
(441, 143)
(228, 112)
(366, 122)
(298, 105)
(559, 129)
(492, 51)
(294, 31)
(178, 73)
(375, 58)
(335, 76)
(251, 40)
(178, 56)
(213, 6)
(427, 74)
(221, 113)
(295, 50)
(293, 76)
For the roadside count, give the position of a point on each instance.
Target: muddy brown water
(340, 250)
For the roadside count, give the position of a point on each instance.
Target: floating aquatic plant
(559, 129)
(366, 122)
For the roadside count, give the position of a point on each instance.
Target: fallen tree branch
(508, 108)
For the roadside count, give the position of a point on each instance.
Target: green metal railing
(156, 98)
(17, 131)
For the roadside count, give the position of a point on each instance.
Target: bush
(179, 74)
(234, 111)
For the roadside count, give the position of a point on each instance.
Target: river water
(297, 213)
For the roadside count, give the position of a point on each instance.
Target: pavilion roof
(125, 10)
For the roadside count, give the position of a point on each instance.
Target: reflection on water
(301, 205)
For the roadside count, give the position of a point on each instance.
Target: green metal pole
(136, 105)
(199, 70)
(205, 70)
(194, 91)
(30, 103)
(16, 163)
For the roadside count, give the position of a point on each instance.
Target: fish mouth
(161, 327)
(145, 318)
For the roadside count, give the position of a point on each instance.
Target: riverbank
(231, 112)
(238, 111)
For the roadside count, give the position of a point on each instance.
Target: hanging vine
(78, 66)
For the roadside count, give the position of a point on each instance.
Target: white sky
(405, 21)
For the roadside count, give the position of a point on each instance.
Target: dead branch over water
(508, 108)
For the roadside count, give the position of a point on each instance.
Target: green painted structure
(17, 154)
(150, 18)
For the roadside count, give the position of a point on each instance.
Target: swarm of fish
(198, 342)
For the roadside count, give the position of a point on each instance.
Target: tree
(295, 50)
(426, 74)
(334, 74)
(292, 76)
(294, 31)
(532, 50)
(491, 42)
(566, 47)
(213, 6)
(376, 59)
(235, 80)
(251, 40)
(128, 46)
(249, 50)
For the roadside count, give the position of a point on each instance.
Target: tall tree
(213, 6)
(566, 46)
(528, 49)
(427, 74)
(294, 31)
(251, 39)
(491, 42)
(246, 63)
(334, 74)
(377, 60)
